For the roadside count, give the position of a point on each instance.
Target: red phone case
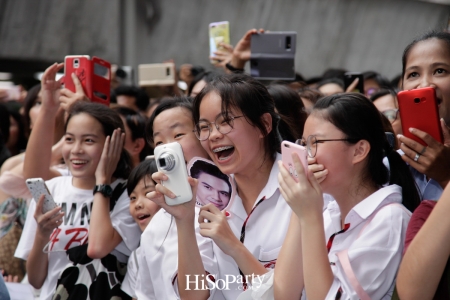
(287, 148)
(94, 75)
(419, 109)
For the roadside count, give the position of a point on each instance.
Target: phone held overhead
(273, 55)
(94, 75)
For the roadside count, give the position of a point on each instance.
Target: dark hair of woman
(291, 109)
(251, 98)
(359, 119)
(136, 123)
(110, 120)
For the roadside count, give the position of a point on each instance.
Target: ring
(423, 150)
(416, 158)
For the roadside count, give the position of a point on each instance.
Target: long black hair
(359, 119)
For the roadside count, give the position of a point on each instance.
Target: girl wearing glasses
(236, 124)
(351, 250)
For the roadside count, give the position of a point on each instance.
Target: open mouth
(78, 162)
(224, 152)
(439, 101)
(143, 217)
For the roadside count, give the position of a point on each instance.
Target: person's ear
(266, 119)
(362, 149)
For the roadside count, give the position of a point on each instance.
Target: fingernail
(411, 130)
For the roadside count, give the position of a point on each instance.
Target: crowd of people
(366, 220)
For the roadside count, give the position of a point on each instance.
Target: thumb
(77, 83)
(445, 132)
(194, 184)
(352, 86)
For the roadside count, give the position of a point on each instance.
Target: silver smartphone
(170, 161)
(37, 187)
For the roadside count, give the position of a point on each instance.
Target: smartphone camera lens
(288, 43)
(166, 161)
(76, 63)
(416, 100)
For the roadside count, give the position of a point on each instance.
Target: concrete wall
(355, 34)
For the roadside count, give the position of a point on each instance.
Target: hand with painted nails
(112, 150)
(181, 212)
(433, 159)
(67, 97)
(223, 55)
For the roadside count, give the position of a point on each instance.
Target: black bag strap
(117, 192)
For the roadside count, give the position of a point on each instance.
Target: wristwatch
(105, 189)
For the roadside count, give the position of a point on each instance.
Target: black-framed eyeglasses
(391, 114)
(311, 143)
(223, 124)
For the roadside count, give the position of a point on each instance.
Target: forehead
(316, 124)
(385, 102)
(211, 107)
(83, 123)
(171, 116)
(213, 181)
(428, 52)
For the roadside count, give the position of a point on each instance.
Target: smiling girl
(91, 203)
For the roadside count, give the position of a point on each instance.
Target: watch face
(105, 189)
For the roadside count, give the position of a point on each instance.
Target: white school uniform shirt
(374, 243)
(77, 204)
(129, 282)
(265, 232)
(158, 261)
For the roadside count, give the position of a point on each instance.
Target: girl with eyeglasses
(236, 124)
(351, 250)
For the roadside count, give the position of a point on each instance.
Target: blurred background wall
(358, 35)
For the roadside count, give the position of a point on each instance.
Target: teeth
(223, 158)
(143, 217)
(79, 162)
(222, 149)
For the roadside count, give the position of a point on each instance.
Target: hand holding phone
(170, 161)
(419, 109)
(287, 148)
(219, 32)
(37, 187)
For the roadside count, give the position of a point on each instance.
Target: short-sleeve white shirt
(265, 231)
(129, 282)
(374, 242)
(158, 260)
(77, 204)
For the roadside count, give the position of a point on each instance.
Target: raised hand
(112, 151)
(50, 87)
(67, 97)
(432, 160)
(47, 222)
(214, 224)
(242, 52)
(182, 212)
(305, 196)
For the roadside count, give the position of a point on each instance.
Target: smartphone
(94, 75)
(287, 148)
(170, 161)
(419, 109)
(156, 74)
(273, 55)
(37, 187)
(349, 77)
(219, 32)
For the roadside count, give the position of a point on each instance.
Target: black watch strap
(233, 69)
(105, 189)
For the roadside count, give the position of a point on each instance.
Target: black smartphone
(349, 77)
(273, 55)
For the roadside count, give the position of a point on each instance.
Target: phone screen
(101, 71)
(219, 32)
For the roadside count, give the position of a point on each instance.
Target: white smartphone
(37, 188)
(156, 74)
(170, 160)
(219, 32)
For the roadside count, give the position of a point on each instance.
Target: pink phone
(287, 148)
